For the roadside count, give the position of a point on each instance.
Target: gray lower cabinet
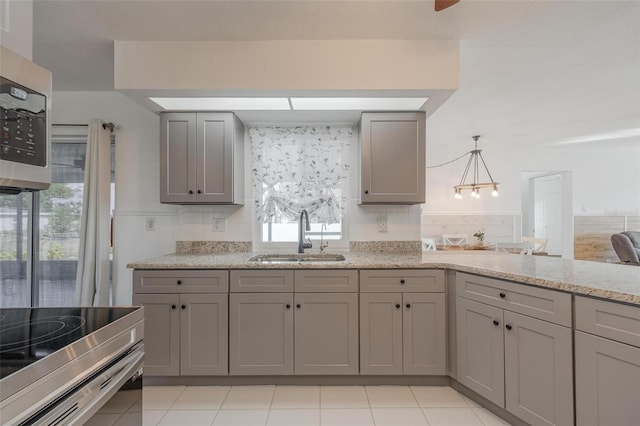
(480, 346)
(538, 370)
(402, 333)
(326, 333)
(185, 334)
(161, 333)
(261, 333)
(607, 363)
(607, 381)
(520, 363)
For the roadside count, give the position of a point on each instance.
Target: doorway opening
(547, 210)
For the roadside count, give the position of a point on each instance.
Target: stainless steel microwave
(25, 135)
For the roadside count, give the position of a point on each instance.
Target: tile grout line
(424, 415)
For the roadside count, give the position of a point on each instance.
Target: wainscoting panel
(592, 236)
(496, 227)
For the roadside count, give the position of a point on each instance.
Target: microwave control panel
(23, 124)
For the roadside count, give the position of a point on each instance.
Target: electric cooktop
(30, 334)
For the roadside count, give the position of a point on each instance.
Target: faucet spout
(301, 244)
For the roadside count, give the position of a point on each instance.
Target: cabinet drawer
(401, 280)
(180, 281)
(326, 281)
(548, 305)
(608, 319)
(261, 281)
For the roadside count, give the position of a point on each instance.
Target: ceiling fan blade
(443, 4)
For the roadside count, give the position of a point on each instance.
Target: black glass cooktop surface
(29, 334)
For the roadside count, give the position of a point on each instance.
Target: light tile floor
(312, 405)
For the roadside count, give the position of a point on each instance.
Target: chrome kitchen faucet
(301, 244)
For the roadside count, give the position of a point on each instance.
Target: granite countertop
(608, 281)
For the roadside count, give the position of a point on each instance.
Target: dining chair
(539, 244)
(428, 244)
(517, 248)
(454, 239)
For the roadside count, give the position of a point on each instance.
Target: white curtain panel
(92, 277)
(300, 167)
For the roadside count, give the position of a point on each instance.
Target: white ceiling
(531, 71)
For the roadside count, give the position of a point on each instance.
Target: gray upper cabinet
(201, 158)
(392, 158)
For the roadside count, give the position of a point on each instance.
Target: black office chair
(627, 246)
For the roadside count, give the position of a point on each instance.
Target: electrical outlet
(383, 224)
(151, 223)
(219, 224)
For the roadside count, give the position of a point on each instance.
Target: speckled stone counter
(608, 281)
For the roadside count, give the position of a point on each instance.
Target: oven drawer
(180, 281)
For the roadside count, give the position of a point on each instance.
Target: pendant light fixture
(475, 157)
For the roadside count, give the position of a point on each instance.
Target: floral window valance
(301, 167)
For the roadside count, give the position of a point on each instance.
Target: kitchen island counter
(608, 281)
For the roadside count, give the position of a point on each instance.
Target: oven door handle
(87, 400)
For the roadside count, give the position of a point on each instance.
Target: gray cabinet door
(326, 333)
(480, 345)
(261, 333)
(393, 158)
(161, 333)
(424, 347)
(607, 382)
(177, 158)
(538, 370)
(381, 333)
(203, 334)
(214, 173)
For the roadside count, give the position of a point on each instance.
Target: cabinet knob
(502, 295)
(298, 306)
(190, 192)
(496, 322)
(183, 307)
(288, 306)
(408, 305)
(402, 281)
(508, 327)
(366, 191)
(173, 306)
(397, 306)
(199, 191)
(179, 282)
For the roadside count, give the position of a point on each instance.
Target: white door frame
(527, 201)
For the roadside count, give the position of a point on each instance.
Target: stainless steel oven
(71, 366)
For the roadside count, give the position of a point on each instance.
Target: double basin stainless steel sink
(297, 258)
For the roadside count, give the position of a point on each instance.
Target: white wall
(606, 180)
(138, 186)
(606, 177)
